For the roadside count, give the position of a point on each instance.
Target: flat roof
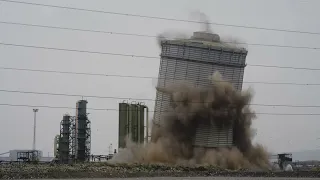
(206, 44)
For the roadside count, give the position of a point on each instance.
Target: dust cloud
(172, 35)
(221, 104)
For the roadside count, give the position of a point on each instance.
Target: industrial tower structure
(83, 132)
(74, 141)
(194, 60)
(133, 122)
(56, 145)
(65, 139)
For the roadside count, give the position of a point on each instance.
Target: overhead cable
(137, 56)
(144, 77)
(109, 109)
(162, 18)
(141, 99)
(150, 36)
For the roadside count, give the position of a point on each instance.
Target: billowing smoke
(172, 143)
(205, 26)
(170, 35)
(202, 17)
(234, 42)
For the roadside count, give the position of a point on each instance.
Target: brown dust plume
(171, 142)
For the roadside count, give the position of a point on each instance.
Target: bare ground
(103, 170)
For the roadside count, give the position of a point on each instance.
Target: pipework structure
(194, 60)
(64, 139)
(34, 128)
(56, 145)
(83, 132)
(74, 143)
(133, 123)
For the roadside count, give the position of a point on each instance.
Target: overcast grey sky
(278, 133)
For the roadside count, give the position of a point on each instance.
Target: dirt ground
(133, 171)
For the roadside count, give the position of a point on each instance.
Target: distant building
(20, 155)
(23, 155)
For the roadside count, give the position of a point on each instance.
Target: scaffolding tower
(73, 139)
(83, 139)
(75, 136)
(64, 139)
(82, 132)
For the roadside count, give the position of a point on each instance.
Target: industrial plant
(194, 60)
(191, 60)
(133, 123)
(73, 144)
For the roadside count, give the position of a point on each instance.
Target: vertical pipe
(138, 123)
(129, 121)
(76, 132)
(119, 125)
(34, 129)
(123, 124)
(147, 124)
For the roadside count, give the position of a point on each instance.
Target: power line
(77, 50)
(70, 95)
(144, 77)
(284, 67)
(107, 109)
(139, 56)
(52, 107)
(163, 18)
(76, 29)
(148, 36)
(142, 99)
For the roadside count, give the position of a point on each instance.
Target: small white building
(15, 155)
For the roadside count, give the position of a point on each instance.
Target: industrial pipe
(147, 123)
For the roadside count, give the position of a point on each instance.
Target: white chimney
(205, 36)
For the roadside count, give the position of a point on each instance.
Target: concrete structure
(195, 60)
(133, 121)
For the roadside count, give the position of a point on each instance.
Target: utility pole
(34, 128)
(110, 148)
